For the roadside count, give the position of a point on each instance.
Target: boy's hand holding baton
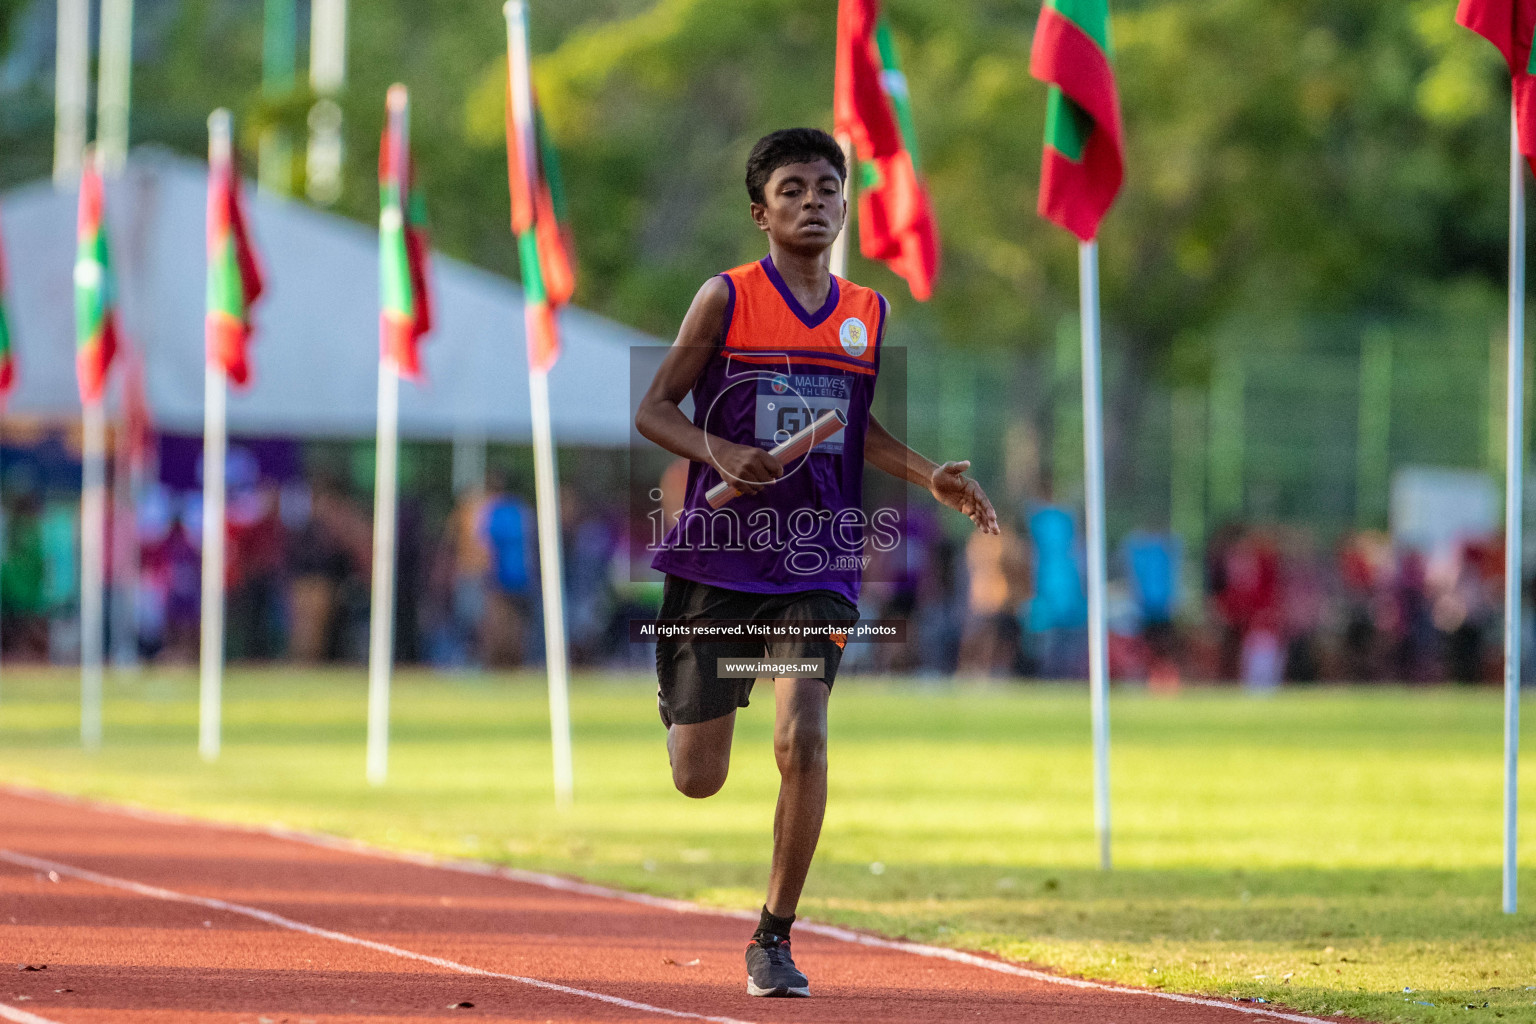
(742, 472)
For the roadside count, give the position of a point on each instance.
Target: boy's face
(804, 206)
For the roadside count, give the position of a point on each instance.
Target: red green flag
(234, 274)
(406, 313)
(1084, 160)
(7, 354)
(1510, 25)
(871, 106)
(538, 222)
(95, 298)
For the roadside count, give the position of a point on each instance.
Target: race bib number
(787, 403)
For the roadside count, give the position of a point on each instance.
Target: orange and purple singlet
(776, 368)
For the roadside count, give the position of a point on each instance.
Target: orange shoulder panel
(765, 317)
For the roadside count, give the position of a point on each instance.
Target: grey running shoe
(771, 971)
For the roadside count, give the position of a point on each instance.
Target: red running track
(129, 917)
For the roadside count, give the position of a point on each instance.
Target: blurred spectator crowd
(1270, 606)
(298, 572)
(1266, 605)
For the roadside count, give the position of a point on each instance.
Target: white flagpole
(381, 620)
(381, 625)
(546, 492)
(1093, 479)
(72, 87)
(1514, 449)
(211, 682)
(114, 82)
(93, 527)
(327, 75)
(839, 261)
(215, 441)
(551, 576)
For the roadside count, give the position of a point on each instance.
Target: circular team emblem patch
(854, 336)
(780, 384)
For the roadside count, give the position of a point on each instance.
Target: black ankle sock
(770, 925)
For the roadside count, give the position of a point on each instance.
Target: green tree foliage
(1303, 156)
(1285, 156)
(9, 9)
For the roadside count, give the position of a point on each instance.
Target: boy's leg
(697, 706)
(800, 748)
(701, 755)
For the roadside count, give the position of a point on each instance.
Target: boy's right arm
(659, 418)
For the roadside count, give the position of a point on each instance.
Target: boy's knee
(801, 747)
(700, 756)
(696, 782)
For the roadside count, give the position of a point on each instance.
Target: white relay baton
(829, 424)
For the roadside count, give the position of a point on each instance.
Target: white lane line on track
(555, 882)
(22, 1016)
(682, 906)
(278, 920)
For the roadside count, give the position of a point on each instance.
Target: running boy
(757, 341)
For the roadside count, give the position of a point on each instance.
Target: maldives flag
(7, 356)
(406, 313)
(1509, 25)
(538, 222)
(234, 275)
(1084, 161)
(95, 298)
(870, 105)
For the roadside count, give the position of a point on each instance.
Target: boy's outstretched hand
(950, 486)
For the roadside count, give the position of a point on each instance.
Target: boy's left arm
(947, 483)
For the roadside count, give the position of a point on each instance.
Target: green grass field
(1333, 850)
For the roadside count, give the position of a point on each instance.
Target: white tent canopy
(315, 356)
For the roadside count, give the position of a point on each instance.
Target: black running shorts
(690, 688)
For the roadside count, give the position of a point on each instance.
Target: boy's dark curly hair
(790, 146)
